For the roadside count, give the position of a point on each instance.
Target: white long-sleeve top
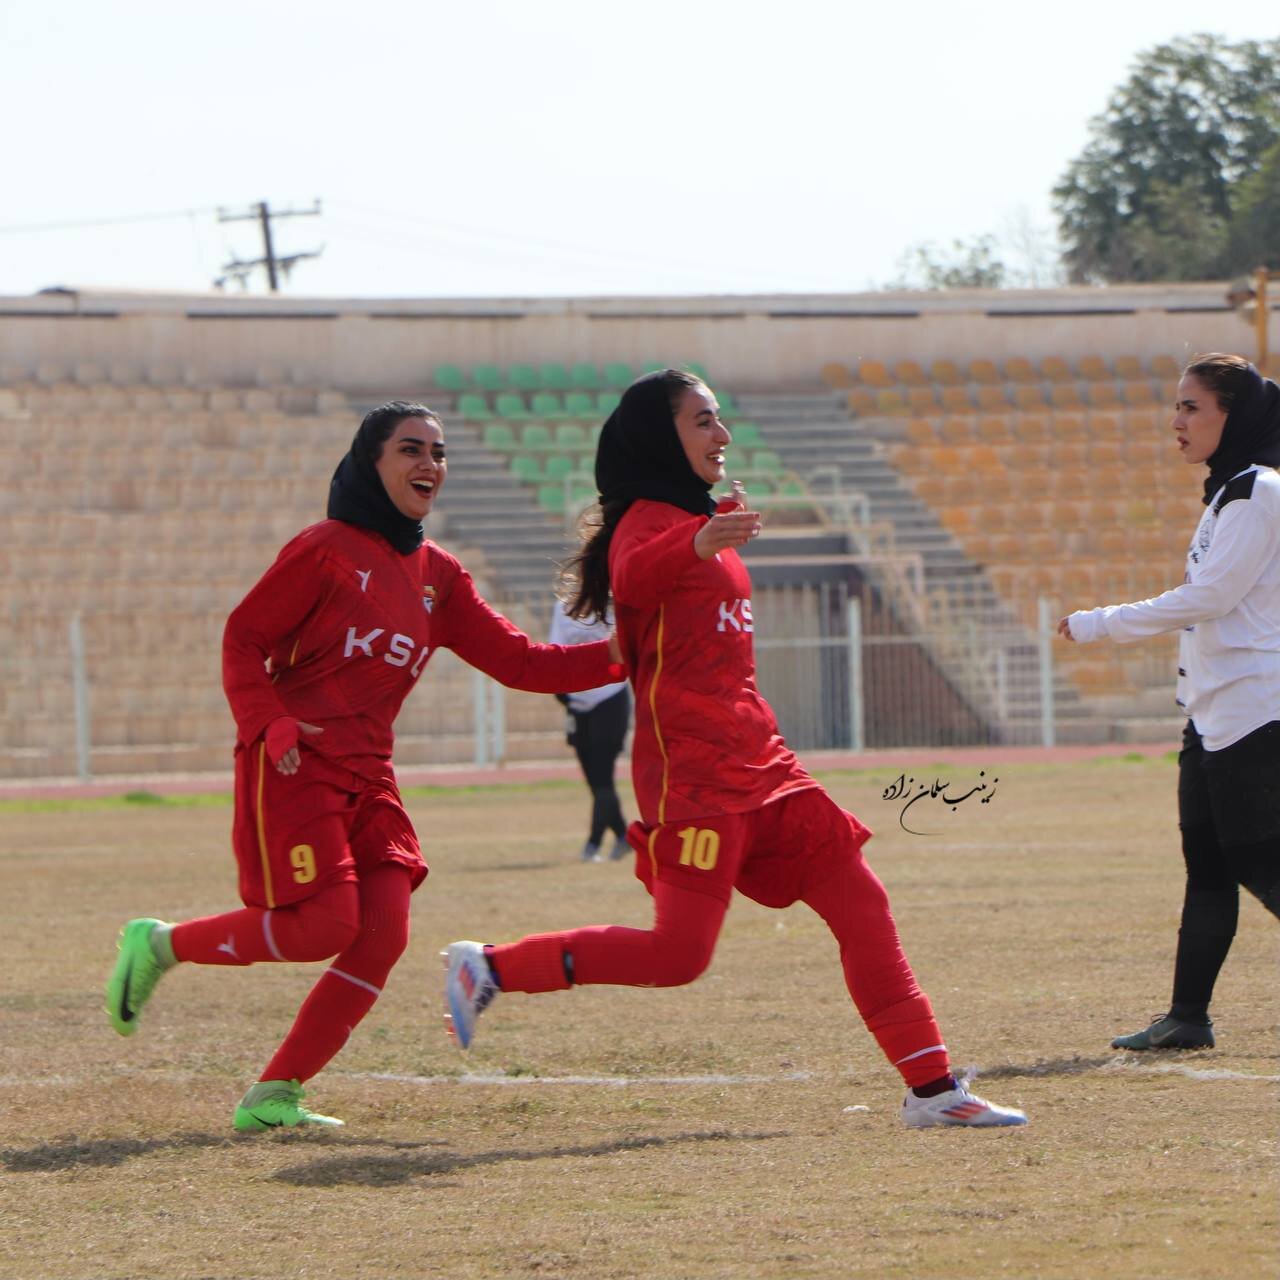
(1228, 609)
(567, 630)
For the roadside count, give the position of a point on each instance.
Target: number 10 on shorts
(699, 847)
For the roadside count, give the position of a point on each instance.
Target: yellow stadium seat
(1104, 426)
(1129, 368)
(957, 429)
(1093, 369)
(837, 376)
(1028, 396)
(946, 373)
(994, 428)
(920, 433)
(922, 399)
(1019, 369)
(984, 459)
(1069, 453)
(984, 372)
(992, 397)
(874, 374)
(1067, 426)
(910, 374)
(1137, 393)
(1065, 396)
(860, 402)
(1055, 369)
(1031, 428)
(1103, 395)
(1164, 368)
(1105, 453)
(956, 399)
(890, 402)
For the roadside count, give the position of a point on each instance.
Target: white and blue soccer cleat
(469, 988)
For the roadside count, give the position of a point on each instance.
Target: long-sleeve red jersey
(706, 742)
(339, 629)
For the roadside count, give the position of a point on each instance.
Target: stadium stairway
(812, 431)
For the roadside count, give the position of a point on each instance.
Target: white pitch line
(1192, 1073)
(613, 1082)
(618, 1082)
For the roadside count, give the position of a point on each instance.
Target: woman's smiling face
(702, 434)
(412, 466)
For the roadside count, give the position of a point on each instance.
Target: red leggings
(364, 925)
(679, 947)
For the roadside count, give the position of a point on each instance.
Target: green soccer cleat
(135, 976)
(277, 1104)
(1168, 1032)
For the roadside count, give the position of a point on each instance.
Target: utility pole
(275, 265)
(1249, 297)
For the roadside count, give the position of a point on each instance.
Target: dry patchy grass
(1040, 924)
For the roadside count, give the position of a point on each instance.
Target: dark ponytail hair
(583, 582)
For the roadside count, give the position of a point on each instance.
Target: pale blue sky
(526, 149)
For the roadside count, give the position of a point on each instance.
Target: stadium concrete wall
(382, 347)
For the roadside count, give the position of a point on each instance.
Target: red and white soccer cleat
(957, 1107)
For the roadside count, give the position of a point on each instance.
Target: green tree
(1156, 194)
(968, 266)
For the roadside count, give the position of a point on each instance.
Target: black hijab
(357, 496)
(640, 454)
(1250, 434)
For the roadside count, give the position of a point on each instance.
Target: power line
(125, 219)
(276, 264)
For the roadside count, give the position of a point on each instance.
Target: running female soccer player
(724, 802)
(317, 660)
(1227, 614)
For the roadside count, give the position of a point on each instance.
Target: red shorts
(294, 836)
(772, 854)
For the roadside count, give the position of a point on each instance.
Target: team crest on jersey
(428, 598)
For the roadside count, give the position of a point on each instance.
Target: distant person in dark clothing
(599, 719)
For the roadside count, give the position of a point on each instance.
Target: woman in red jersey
(724, 802)
(317, 660)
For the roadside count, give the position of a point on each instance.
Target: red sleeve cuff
(617, 671)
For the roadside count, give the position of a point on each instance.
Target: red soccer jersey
(706, 742)
(347, 624)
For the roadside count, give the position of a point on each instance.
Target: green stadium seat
(570, 437)
(766, 460)
(746, 435)
(554, 377)
(523, 377)
(537, 435)
(700, 370)
(551, 497)
(758, 487)
(471, 405)
(526, 469)
(488, 377)
(728, 406)
(792, 489)
(652, 366)
(607, 402)
(508, 404)
(585, 377)
(587, 463)
(547, 404)
(499, 437)
(580, 404)
(619, 375)
(558, 466)
(594, 432)
(449, 377)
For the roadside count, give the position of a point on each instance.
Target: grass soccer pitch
(744, 1126)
